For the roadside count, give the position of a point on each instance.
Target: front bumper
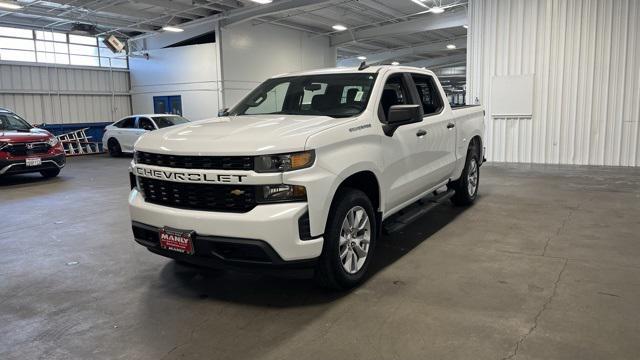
(268, 235)
(18, 166)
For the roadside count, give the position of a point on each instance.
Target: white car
(120, 136)
(306, 171)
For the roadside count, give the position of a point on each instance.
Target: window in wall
(108, 58)
(13, 32)
(56, 48)
(16, 49)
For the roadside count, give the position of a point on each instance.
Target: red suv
(26, 149)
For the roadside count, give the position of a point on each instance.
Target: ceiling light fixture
(262, 2)
(362, 58)
(10, 6)
(339, 27)
(172, 29)
(395, 63)
(451, 46)
(465, 26)
(435, 9)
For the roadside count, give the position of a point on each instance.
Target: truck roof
(349, 70)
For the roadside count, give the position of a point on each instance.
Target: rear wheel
(349, 241)
(114, 147)
(49, 173)
(466, 186)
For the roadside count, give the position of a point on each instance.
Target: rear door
(127, 133)
(440, 139)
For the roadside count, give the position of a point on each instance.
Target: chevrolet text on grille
(189, 177)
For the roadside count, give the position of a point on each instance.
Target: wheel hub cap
(355, 236)
(472, 178)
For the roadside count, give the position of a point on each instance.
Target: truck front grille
(206, 197)
(196, 162)
(26, 149)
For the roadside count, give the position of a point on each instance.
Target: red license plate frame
(180, 241)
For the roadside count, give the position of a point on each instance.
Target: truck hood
(34, 135)
(237, 135)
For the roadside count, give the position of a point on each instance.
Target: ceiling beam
(393, 55)
(42, 22)
(384, 9)
(450, 60)
(177, 6)
(249, 13)
(420, 24)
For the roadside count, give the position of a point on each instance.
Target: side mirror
(404, 114)
(401, 115)
(223, 112)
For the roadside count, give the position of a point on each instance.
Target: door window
(146, 124)
(429, 94)
(395, 92)
(128, 123)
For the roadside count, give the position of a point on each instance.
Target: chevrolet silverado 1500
(306, 171)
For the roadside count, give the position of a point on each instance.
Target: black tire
(465, 194)
(114, 148)
(331, 272)
(50, 173)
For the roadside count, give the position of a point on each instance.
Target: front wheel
(349, 241)
(467, 186)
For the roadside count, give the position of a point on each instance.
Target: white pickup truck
(306, 171)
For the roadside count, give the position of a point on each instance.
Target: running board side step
(414, 211)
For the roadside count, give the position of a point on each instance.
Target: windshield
(335, 95)
(13, 122)
(166, 121)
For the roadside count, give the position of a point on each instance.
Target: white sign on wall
(512, 96)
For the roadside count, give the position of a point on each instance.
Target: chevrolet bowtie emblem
(237, 192)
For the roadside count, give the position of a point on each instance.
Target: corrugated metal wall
(585, 58)
(62, 95)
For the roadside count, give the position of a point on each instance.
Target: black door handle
(421, 133)
(451, 125)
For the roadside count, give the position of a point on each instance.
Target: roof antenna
(363, 65)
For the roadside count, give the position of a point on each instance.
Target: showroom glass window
(53, 47)
(334, 95)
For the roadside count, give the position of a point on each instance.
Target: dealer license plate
(177, 240)
(33, 162)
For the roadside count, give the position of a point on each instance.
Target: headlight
(53, 141)
(284, 162)
(281, 193)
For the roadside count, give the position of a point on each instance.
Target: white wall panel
(187, 71)
(253, 53)
(62, 95)
(584, 56)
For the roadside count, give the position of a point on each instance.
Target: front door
(405, 160)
